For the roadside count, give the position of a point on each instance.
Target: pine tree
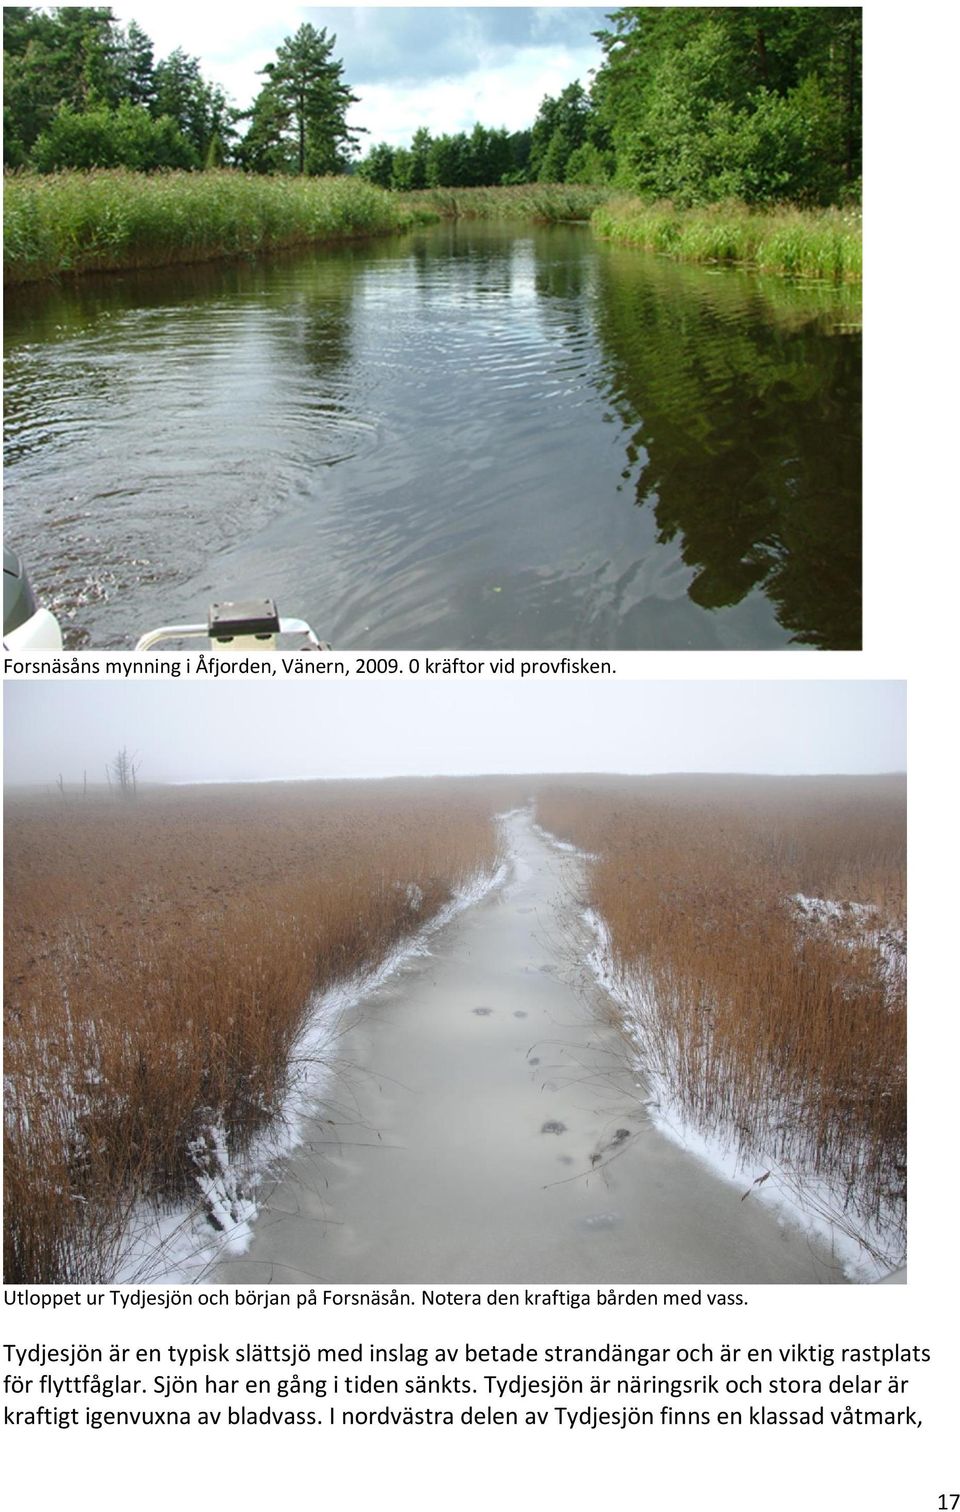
(308, 83)
(137, 65)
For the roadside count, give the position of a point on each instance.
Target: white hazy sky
(192, 731)
(444, 67)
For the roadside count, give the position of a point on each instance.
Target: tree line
(82, 91)
(482, 156)
(759, 103)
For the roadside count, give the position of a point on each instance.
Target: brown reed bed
(160, 957)
(779, 1025)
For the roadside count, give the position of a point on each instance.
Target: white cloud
(507, 95)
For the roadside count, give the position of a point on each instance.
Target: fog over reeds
(232, 731)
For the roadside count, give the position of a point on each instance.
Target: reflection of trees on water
(316, 324)
(493, 258)
(745, 439)
(468, 257)
(566, 260)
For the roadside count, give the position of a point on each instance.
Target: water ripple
(466, 438)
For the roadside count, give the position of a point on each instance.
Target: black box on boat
(246, 617)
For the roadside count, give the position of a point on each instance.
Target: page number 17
(949, 1501)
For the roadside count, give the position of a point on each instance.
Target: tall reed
(759, 926)
(160, 958)
(546, 203)
(818, 244)
(60, 224)
(63, 224)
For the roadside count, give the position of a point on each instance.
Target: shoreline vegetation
(701, 135)
(73, 223)
(753, 935)
(824, 245)
(158, 1004)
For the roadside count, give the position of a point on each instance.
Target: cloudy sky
(186, 731)
(444, 67)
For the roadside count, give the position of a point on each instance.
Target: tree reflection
(743, 416)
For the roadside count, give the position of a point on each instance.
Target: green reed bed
(59, 225)
(821, 244)
(548, 203)
(62, 224)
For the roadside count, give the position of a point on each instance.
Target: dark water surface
(469, 436)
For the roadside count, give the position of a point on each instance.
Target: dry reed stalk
(781, 1022)
(159, 963)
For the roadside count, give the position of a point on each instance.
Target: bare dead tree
(122, 774)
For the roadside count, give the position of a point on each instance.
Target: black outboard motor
(26, 627)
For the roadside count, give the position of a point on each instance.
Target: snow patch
(858, 926)
(561, 845)
(806, 1201)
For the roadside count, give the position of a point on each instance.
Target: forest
(702, 104)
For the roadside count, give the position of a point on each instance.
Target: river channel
(469, 437)
(485, 1123)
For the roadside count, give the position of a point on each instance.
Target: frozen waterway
(486, 1125)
